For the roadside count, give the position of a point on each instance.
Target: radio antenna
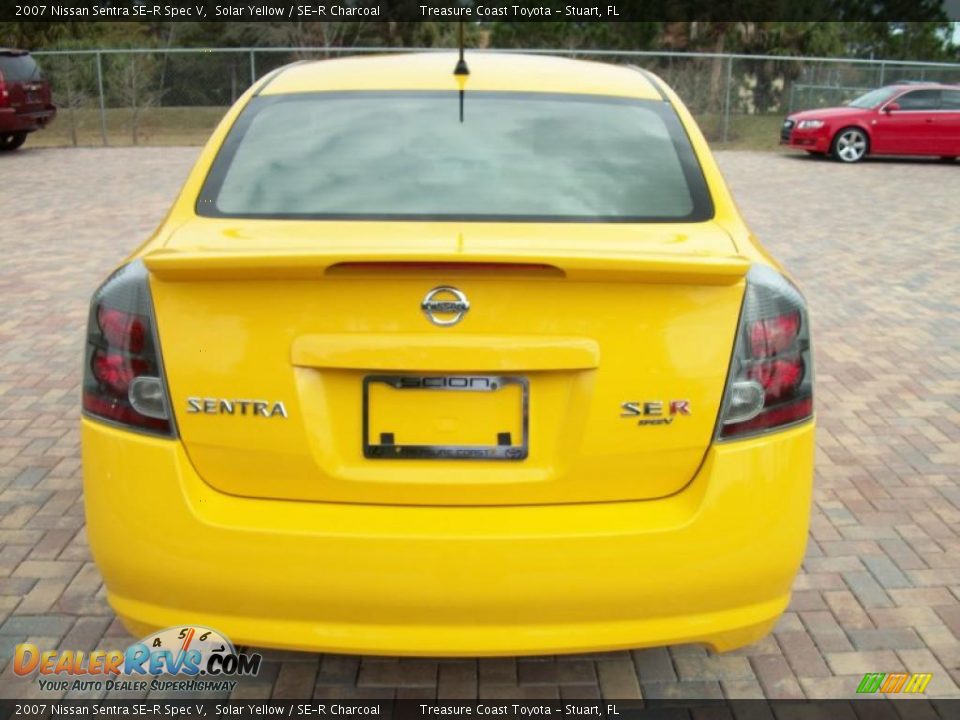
(460, 72)
(461, 68)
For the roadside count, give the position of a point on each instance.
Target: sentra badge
(223, 406)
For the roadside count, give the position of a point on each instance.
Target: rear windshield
(18, 68)
(411, 155)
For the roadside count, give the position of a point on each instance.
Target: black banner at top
(501, 709)
(472, 10)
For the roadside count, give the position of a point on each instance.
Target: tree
(33, 35)
(899, 40)
(72, 77)
(132, 84)
(575, 35)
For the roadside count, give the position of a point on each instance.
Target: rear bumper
(713, 563)
(12, 121)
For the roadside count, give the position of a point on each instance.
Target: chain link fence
(176, 96)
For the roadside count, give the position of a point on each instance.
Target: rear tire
(850, 145)
(11, 141)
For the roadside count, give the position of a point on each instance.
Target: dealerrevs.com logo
(201, 657)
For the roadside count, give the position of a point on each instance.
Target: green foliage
(899, 40)
(575, 35)
(36, 35)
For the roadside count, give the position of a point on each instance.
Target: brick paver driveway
(877, 250)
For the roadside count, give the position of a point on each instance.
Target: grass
(193, 125)
(746, 132)
(157, 126)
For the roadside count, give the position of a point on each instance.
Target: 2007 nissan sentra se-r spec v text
(434, 364)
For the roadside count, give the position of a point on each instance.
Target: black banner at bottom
(920, 708)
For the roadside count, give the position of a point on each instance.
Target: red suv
(903, 119)
(25, 103)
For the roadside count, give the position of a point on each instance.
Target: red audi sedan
(903, 119)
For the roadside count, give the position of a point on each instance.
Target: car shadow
(880, 160)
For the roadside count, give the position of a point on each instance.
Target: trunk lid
(299, 357)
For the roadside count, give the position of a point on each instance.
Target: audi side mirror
(890, 107)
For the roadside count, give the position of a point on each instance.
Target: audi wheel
(850, 145)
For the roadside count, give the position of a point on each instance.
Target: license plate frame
(467, 383)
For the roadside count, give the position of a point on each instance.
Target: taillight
(4, 93)
(771, 374)
(123, 377)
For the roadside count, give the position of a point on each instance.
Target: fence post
(883, 71)
(103, 107)
(726, 100)
(253, 66)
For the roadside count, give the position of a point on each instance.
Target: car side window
(951, 100)
(920, 100)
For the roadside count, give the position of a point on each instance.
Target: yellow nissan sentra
(424, 363)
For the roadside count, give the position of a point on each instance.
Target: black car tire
(11, 141)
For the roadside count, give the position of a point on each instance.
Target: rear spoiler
(619, 267)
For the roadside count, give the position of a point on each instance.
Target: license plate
(445, 417)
